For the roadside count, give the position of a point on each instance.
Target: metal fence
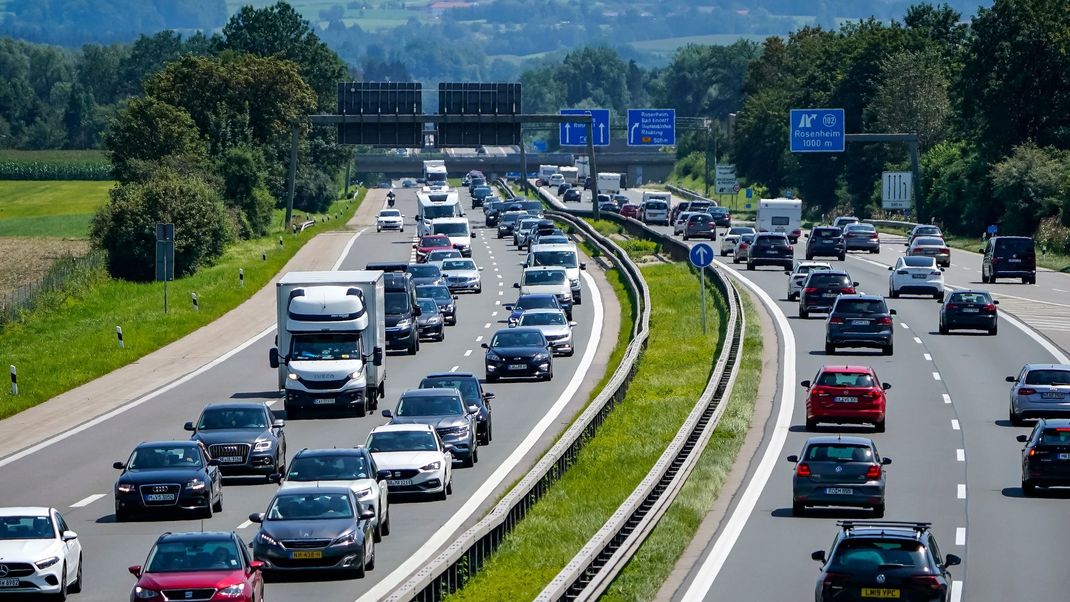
(59, 276)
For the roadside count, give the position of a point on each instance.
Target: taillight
(945, 250)
(847, 291)
(802, 470)
(929, 581)
(935, 273)
(1027, 391)
(743, 245)
(791, 249)
(874, 235)
(833, 579)
(835, 320)
(810, 290)
(990, 308)
(885, 321)
(951, 305)
(821, 392)
(874, 471)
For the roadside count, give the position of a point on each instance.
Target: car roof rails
(917, 527)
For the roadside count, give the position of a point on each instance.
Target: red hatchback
(846, 395)
(431, 242)
(198, 566)
(630, 210)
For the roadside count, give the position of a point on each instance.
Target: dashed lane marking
(955, 425)
(961, 491)
(936, 376)
(82, 503)
(928, 357)
(917, 340)
(960, 455)
(947, 398)
(467, 352)
(960, 536)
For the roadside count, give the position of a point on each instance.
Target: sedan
(572, 195)
(412, 459)
(437, 257)
(846, 395)
(838, 471)
(189, 566)
(315, 529)
(721, 216)
(678, 224)
(390, 219)
(861, 237)
(164, 476)
(859, 321)
(930, 246)
(40, 554)
(244, 437)
(462, 275)
(700, 225)
(923, 230)
(1039, 390)
(554, 325)
(430, 323)
(445, 411)
(820, 288)
(446, 300)
(519, 352)
(974, 310)
(427, 273)
(529, 302)
(915, 275)
(1046, 455)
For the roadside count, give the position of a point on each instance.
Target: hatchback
(838, 471)
(915, 275)
(820, 289)
(1040, 390)
(1046, 455)
(1009, 257)
(700, 225)
(861, 237)
(859, 321)
(846, 395)
(798, 274)
(630, 210)
(520, 351)
(973, 310)
(825, 241)
(731, 239)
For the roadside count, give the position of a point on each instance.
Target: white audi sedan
(390, 219)
(415, 458)
(38, 553)
(916, 275)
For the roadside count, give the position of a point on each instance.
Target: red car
(630, 210)
(846, 395)
(198, 566)
(431, 242)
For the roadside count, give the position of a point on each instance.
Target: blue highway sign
(817, 131)
(575, 134)
(701, 255)
(651, 127)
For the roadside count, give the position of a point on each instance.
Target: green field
(381, 14)
(50, 208)
(669, 45)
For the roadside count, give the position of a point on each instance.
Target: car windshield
(26, 527)
(428, 306)
(827, 233)
(543, 319)
(451, 229)
(553, 239)
(437, 292)
(1051, 378)
(845, 379)
(509, 218)
(914, 261)
(1014, 246)
(430, 405)
(858, 555)
(145, 458)
(528, 224)
(860, 306)
(422, 270)
(747, 238)
(343, 467)
(233, 418)
(397, 441)
(328, 346)
(468, 387)
(190, 556)
(434, 241)
(442, 255)
(741, 230)
(481, 191)
(458, 264)
(310, 506)
(436, 211)
(544, 277)
(397, 303)
(926, 241)
(829, 452)
(806, 269)
(969, 298)
(389, 213)
(829, 280)
(927, 231)
(539, 302)
(698, 206)
(518, 339)
(566, 259)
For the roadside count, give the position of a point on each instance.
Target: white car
(798, 273)
(561, 255)
(350, 467)
(731, 239)
(458, 230)
(554, 325)
(681, 221)
(916, 275)
(417, 459)
(549, 280)
(461, 275)
(390, 219)
(38, 553)
(556, 180)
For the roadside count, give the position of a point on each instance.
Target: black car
(770, 249)
(315, 528)
(491, 211)
(425, 273)
(820, 289)
(445, 411)
(722, 217)
(884, 560)
(562, 188)
(1009, 257)
(519, 352)
(609, 207)
(508, 220)
(244, 437)
(162, 476)
(480, 194)
(401, 312)
(1044, 456)
(447, 301)
(859, 321)
(472, 392)
(431, 322)
(572, 195)
(826, 241)
(974, 310)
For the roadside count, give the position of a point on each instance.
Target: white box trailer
(780, 215)
(331, 340)
(572, 175)
(608, 182)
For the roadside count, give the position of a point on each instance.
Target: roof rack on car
(917, 527)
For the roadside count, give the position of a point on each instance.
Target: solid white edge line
(157, 392)
(960, 536)
(448, 530)
(82, 503)
(722, 547)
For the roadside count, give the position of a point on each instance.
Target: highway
(956, 461)
(75, 474)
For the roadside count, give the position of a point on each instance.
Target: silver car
(798, 274)
(523, 230)
(838, 471)
(554, 325)
(462, 275)
(1040, 391)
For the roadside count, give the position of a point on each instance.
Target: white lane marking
(917, 340)
(960, 536)
(245, 524)
(955, 425)
(454, 369)
(499, 278)
(956, 591)
(500, 293)
(961, 491)
(493, 314)
(1058, 290)
(936, 376)
(487, 325)
(501, 283)
(467, 352)
(903, 324)
(346, 249)
(495, 269)
(947, 398)
(448, 530)
(272, 402)
(928, 357)
(479, 338)
(721, 548)
(960, 455)
(82, 503)
(497, 302)
(1057, 353)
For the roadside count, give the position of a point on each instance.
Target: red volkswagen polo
(198, 566)
(846, 395)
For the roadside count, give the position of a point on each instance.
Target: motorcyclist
(390, 198)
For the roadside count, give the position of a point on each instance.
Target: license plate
(518, 366)
(970, 310)
(9, 582)
(845, 399)
(1014, 260)
(399, 482)
(839, 491)
(1051, 395)
(229, 459)
(306, 554)
(830, 295)
(323, 401)
(1064, 456)
(880, 592)
(771, 252)
(160, 497)
(859, 322)
(918, 276)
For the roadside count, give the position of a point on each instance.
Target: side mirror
(388, 414)
(818, 556)
(367, 514)
(981, 250)
(118, 465)
(891, 312)
(382, 475)
(455, 297)
(807, 235)
(886, 461)
(854, 284)
(572, 324)
(792, 458)
(275, 477)
(473, 235)
(886, 386)
(488, 395)
(273, 357)
(940, 300)
(890, 268)
(995, 302)
(1022, 438)
(480, 268)
(213, 462)
(377, 356)
(583, 266)
(69, 536)
(472, 409)
(951, 560)
(256, 517)
(516, 285)
(189, 427)
(484, 346)
(1011, 379)
(508, 306)
(135, 570)
(256, 565)
(448, 448)
(418, 311)
(278, 423)
(414, 245)
(805, 384)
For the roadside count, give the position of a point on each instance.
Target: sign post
(701, 256)
(897, 189)
(817, 131)
(724, 179)
(165, 257)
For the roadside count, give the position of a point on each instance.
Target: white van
(782, 216)
(458, 230)
(562, 256)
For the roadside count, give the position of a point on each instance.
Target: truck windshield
(326, 346)
(397, 303)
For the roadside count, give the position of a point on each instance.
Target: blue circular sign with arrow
(701, 255)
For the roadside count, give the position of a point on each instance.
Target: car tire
(207, 512)
(809, 257)
(944, 329)
(76, 586)
(878, 510)
(938, 296)
(879, 427)
(993, 331)
(62, 594)
(442, 335)
(362, 410)
(377, 533)
(894, 294)
(842, 256)
(384, 528)
(830, 349)
(122, 516)
(887, 350)
(798, 509)
(1015, 419)
(984, 279)
(470, 461)
(484, 439)
(803, 314)
(1028, 489)
(413, 347)
(811, 425)
(750, 266)
(735, 259)
(217, 506)
(491, 378)
(360, 571)
(378, 229)
(479, 289)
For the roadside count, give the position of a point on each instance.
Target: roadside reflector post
(241, 276)
(196, 306)
(119, 335)
(14, 381)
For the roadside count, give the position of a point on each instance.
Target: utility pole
(291, 177)
(594, 174)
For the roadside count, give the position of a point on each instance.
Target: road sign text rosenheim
(817, 131)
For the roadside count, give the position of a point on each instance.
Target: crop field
(54, 165)
(63, 209)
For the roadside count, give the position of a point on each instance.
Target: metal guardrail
(688, 193)
(887, 222)
(466, 555)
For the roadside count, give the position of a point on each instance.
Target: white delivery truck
(331, 340)
(435, 172)
(608, 182)
(780, 215)
(583, 166)
(572, 175)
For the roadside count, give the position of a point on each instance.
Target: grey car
(555, 326)
(859, 321)
(462, 275)
(445, 411)
(447, 301)
(523, 230)
(245, 437)
(838, 471)
(861, 237)
(425, 273)
(431, 322)
(1039, 391)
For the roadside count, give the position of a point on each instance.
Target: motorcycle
(390, 199)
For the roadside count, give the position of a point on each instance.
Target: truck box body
(572, 175)
(435, 172)
(545, 171)
(608, 182)
(583, 167)
(780, 215)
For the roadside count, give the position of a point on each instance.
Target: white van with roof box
(564, 256)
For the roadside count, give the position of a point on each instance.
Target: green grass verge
(668, 382)
(1053, 261)
(69, 338)
(647, 571)
(61, 208)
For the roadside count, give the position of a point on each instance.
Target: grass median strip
(69, 338)
(672, 374)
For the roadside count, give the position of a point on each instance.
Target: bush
(1053, 236)
(314, 191)
(636, 248)
(126, 226)
(244, 190)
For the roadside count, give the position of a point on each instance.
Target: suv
(825, 241)
(472, 392)
(846, 395)
(654, 212)
(770, 249)
(838, 471)
(700, 225)
(721, 216)
(402, 310)
(798, 275)
(1009, 257)
(1038, 391)
(445, 410)
(572, 195)
(244, 436)
(884, 559)
(1050, 440)
(859, 321)
(820, 289)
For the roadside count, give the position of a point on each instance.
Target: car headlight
(406, 323)
(434, 319)
(345, 540)
(357, 373)
(47, 562)
(574, 282)
(291, 375)
(262, 445)
(541, 356)
(494, 357)
(267, 539)
(233, 591)
(125, 488)
(195, 484)
(144, 593)
(432, 466)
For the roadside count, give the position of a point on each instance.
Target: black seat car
(770, 249)
(1044, 456)
(872, 560)
(859, 321)
(402, 309)
(973, 310)
(572, 195)
(820, 289)
(1009, 257)
(447, 301)
(721, 216)
(163, 476)
(825, 241)
(520, 351)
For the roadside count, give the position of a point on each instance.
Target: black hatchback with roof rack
(884, 560)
